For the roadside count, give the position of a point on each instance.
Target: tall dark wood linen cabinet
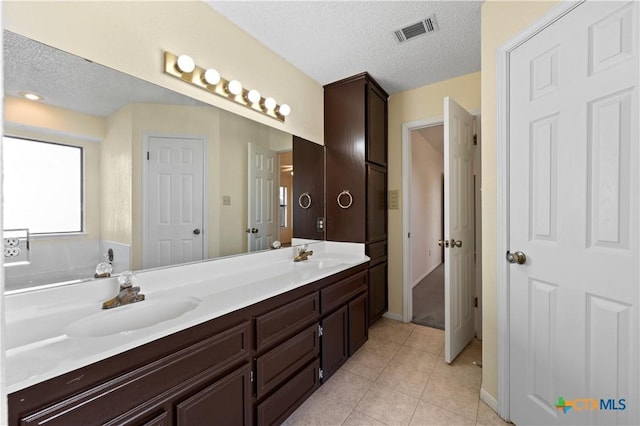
(355, 129)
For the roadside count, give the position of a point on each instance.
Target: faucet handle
(127, 279)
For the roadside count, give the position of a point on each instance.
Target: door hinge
(320, 374)
(475, 139)
(475, 302)
(409, 235)
(147, 155)
(251, 376)
(320, 331)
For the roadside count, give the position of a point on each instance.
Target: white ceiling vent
(425, 26)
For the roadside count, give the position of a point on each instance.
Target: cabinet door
(358, 323)
(376, 127)
(334, 345)
(377, 292)
(376, 203)
(344, 134)
(225, 402)
(308, 189)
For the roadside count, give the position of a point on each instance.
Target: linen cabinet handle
(347, 194)
(305, 196)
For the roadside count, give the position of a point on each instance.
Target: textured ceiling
(331, 40)
(71, 82)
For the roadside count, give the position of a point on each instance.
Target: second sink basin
(131, 317)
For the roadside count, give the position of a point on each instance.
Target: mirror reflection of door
(174, 192)
(262, 223)
(285, 217)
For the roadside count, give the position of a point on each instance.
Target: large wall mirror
(105, 167)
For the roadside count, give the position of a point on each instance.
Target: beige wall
(501, 21)
(131, 36)
(417, 104)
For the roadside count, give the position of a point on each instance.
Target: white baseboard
(488, 399)
(393, 316)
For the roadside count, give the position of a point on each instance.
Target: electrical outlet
(11, 242)
(16, 246)
(226, 200)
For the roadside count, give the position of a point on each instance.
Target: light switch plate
(394, 199)
(226, 200)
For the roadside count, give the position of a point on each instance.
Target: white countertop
(38, 322)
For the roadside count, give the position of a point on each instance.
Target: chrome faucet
(303, 253)
(127, 293)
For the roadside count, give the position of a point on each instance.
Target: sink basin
(131, 317)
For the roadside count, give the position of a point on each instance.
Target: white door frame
(205, 188)
(502, 147)
(407, 128)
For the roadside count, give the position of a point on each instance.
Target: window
(42, 186)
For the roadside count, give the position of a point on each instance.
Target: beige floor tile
(315, 411)
(403, 379)
(387, 405)
(429, 414)
(461, 372)
(390, 330)
(473, 351)
(424, 339)
(371, 358)
(356, 418)
(488, 417)
(428, 330)
(446, 394)
(346, 386)
(420, 361)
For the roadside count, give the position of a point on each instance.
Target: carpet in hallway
(428, 299)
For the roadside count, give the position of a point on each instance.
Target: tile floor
(399, 377)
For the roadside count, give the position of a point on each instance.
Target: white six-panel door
(459, 229)
(262, 228)
(573, 212)
(174, 194)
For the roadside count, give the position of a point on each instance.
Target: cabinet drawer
(276, 408)
(159, 420)
(276, 365)
(341, 292)
(280, 323)
(103, 402)
(377, 252)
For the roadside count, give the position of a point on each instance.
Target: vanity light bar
(184, 68)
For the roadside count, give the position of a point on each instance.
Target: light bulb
(32, 96)
(253, 96)
(270, 104)
(211, 77)
(185, 64)
(284, 110)
(234, 87)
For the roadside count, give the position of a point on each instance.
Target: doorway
(427, 226)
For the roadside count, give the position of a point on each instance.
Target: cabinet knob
(304, 200)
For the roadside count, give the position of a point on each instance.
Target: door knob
(196, 231)
(443, 243)
(455, 243)
(254, 230)
(518, 257)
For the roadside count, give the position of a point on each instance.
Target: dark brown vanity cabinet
(255, 365)
(355, 126)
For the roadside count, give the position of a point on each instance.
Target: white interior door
(262, 224)
(173, 221)
(459, 229)
(573, 213)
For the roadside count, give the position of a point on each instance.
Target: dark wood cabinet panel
(376, 203)
(340, 292)
(280, 323)
(335, 350)
(96, 405)
(378, 303)
(225, 402)
(159, 420)
(376, 126)
(281, 362)
(377, 252)
(276, 408)
(344, 133)
(308, 178)
(358, 322)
